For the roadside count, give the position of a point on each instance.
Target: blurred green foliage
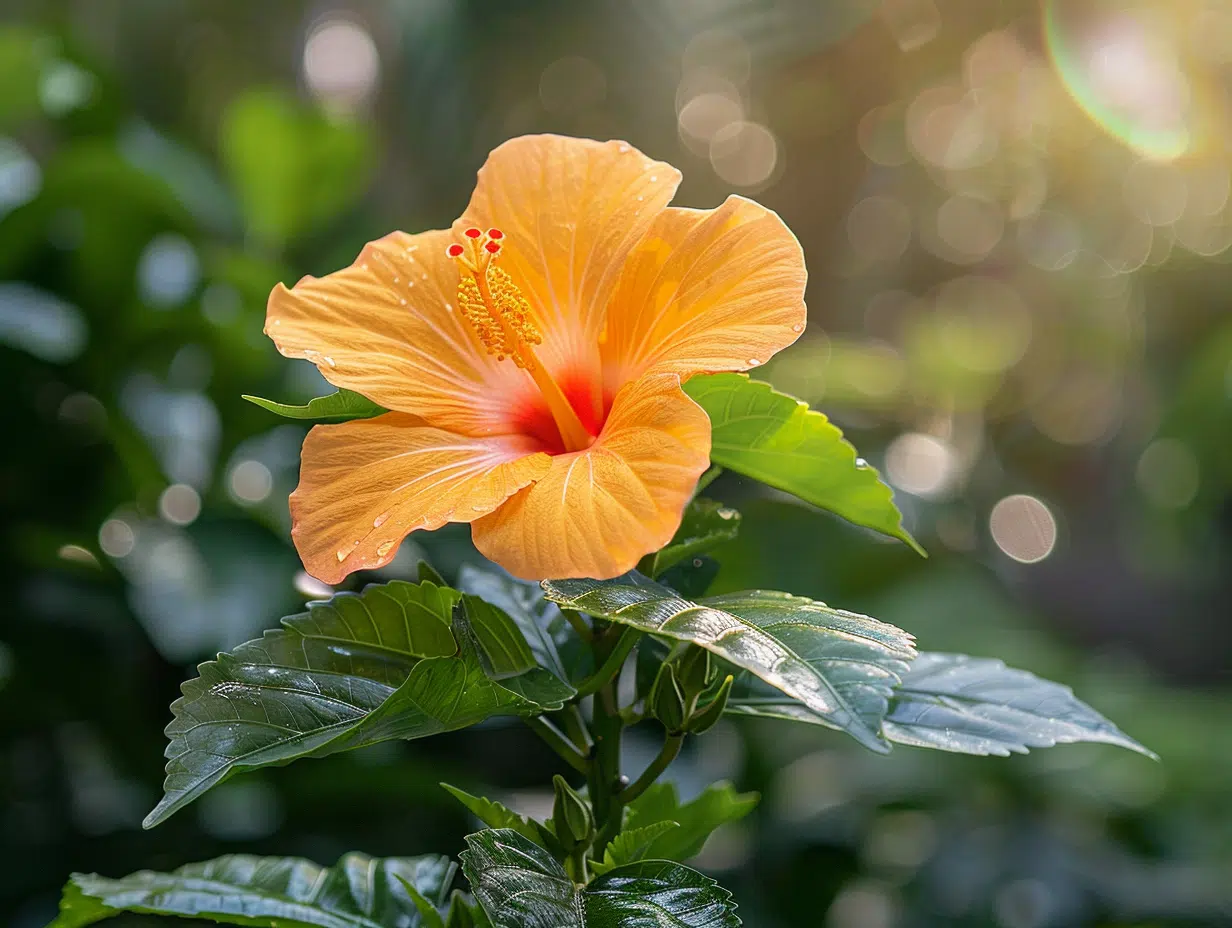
(162, 166)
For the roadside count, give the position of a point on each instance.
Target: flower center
(502, 318)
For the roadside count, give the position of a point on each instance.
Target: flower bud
(667, 699)
(704, 719)
(695, 670)
(571, 815)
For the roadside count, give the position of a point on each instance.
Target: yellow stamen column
(502, 325)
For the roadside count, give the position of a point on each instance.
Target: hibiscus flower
(532, 358)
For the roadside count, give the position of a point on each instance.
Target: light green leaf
(631, 845)
(335, 407)
(351, 671)
(520, 885)
(781, 640)
(777, 439)
(494, 814)
(706, 525)
(717, 805)
(976, 705)
(293, 167)
(277, 892)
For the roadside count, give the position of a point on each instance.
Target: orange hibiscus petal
(571, 210)
(387, 327)
(598, 511)
(364, 485)
(706, 290)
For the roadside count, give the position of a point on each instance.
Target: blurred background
(1017, 221)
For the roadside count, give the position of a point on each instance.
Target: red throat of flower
(502, 318)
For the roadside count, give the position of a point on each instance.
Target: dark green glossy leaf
(278, 892)
(861, 658)
(334, 407)
(520, 885)
(777, 439)
(494, 814)
(717, 805)
(631, 845)
(544, 628)
(976, 705)
(781, 640)
(351, 671)
(706, 524)
(507, 657)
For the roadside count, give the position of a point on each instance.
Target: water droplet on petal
(480, 508)
(384, 549)
(754, 362)
(623, 149)
(653, 178)
(330, 361)
(860, 462)
(402, 301)
(380, 520)
(395, 280)
(640, 198)
(344, 554)
(798, 327)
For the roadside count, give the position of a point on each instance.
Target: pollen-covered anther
(501, 317)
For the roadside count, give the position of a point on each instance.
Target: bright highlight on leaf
(977, 705)
(520, 885)
(269, 892)
(777, 439)
(396, 661)
(780, 640)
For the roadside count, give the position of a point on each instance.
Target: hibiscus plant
(564, 371)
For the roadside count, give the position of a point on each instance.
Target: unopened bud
(703, 719)
(667, 699)
(695, 670)
(571, 815)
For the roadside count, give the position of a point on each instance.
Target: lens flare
(1122, 65)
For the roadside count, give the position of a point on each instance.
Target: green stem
(575, 727)
(667, 754)
(558, 742)
(606, 726)
(615, 660)
(575, 866)
(579, 624)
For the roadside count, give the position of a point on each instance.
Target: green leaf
(707, 523)
(631, 845)
(782, 640)
(351, 671)
(777, 439)
(717, 805)
(278, 892)
(520, 885)
(495, 815)
(542, 625)
(293, 167)
(335, 407)
(507, 657)
(977, 705)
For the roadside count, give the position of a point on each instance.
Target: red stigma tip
(454, 251)
(473, 233)
(492, 247)
(495, 234)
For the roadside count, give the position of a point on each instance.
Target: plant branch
(579, 624)
(611, 665)
(667, 754)
(558, 742)
(603, 777)
(575, 727)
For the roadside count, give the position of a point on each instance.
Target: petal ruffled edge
(365, 484)
(706, 291)
(597, 512)
(386, 327)
(571, 211)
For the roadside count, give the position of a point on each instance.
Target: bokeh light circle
(1023, 528)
